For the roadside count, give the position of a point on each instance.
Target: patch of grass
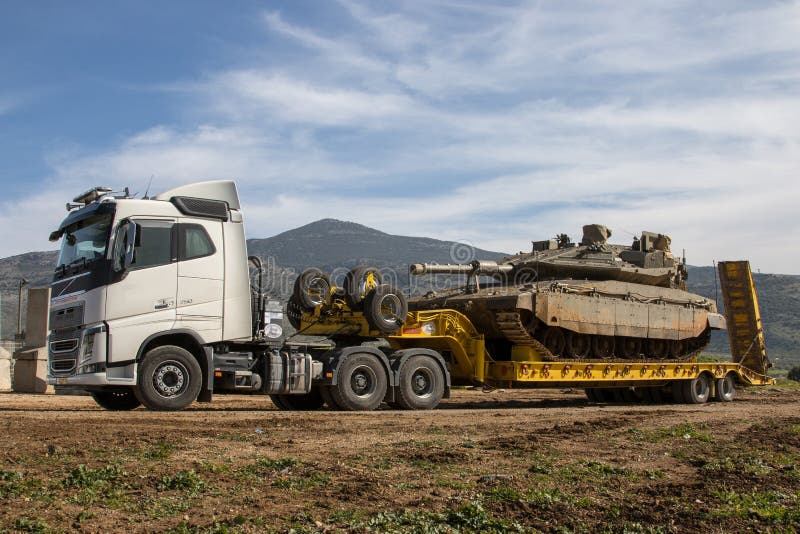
(590, 469)
(276, 464)
(36, 525)
(451, 483)
(161, 450)
(468, 517)
(314, 479)
(187, 481)
(217, 527)
(103, 483)
(541, 464)
(768, 506)
(794, 429)
(685, 431)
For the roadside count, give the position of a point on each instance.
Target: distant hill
(336, 246)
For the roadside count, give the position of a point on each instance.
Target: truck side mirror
(124, 246)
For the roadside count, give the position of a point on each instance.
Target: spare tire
(358, 282)
(312, 288)
(294, 312)
(385, 309)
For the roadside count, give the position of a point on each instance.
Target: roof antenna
(148, 187)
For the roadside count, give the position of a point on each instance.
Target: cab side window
(154, 244)
(194, 242)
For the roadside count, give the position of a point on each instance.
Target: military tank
(587, 300)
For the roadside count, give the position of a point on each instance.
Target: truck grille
(64, 345)
(62, 366)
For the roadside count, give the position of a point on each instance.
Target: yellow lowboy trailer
(452, 335)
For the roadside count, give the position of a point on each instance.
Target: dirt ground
(500, 461)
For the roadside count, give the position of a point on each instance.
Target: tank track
(510, 325)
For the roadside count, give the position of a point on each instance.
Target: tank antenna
(146, 191)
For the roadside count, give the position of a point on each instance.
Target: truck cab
(134, 275)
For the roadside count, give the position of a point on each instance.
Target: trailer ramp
(745, 331)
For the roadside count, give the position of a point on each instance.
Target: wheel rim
(390, 309)
(727, 388)
(700, 388)
(170, 379)
(363, 381)
(422, 382)
(368, 282)
(317, 290)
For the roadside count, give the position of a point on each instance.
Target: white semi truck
(152, 303)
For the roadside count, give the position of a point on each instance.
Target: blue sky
(492, 124)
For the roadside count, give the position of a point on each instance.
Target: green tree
(794, 373)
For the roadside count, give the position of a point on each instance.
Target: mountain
(336, 246)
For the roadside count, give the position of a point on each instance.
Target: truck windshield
(84, 241)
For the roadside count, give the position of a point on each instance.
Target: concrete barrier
(30, 362)
(5, 370)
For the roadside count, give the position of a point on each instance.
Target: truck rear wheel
(361, 384)
(694, 391)
(725, 388)
(299, 403)
(421, 384)
(116, 400)
(169, 379)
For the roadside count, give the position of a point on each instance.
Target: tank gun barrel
(476, 267)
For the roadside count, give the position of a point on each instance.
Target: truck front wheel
(169, 379)
(116, 400)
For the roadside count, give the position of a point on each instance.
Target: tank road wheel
(169, 379)
(628, 347)
(362, 383)
(299, 403)
(358, 282)
(312, 288)
(421, 384)
(578, 345)
(120, 400)
(553, 340)
(385, 309)
(725, 388)
(657, 348)
(677, 348)
(603, 346)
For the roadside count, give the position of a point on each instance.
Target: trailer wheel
(358, 282)
(421, 384)
(725, 388)
(385, 309)
(120, 400)
(696, 390)
(312, 288)
(591, 394)
(299, 403)
(603, 346)
(361, 384)
(578, 345)
(169, 379)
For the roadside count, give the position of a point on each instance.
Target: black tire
(385, 309)
(358, 282)
(421, 384)
(605, 394)
(578, 345)
(120, 400)
(552, 337)
(725, 388)
(591, 394)
(169, 379)
(628, 347)
(361, 383)
(696, 390)
(294, 312)
(312, 288)
(603, 346)
(299, 403)
(325, 393)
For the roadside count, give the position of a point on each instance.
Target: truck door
(201, 278)
(142, 301)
